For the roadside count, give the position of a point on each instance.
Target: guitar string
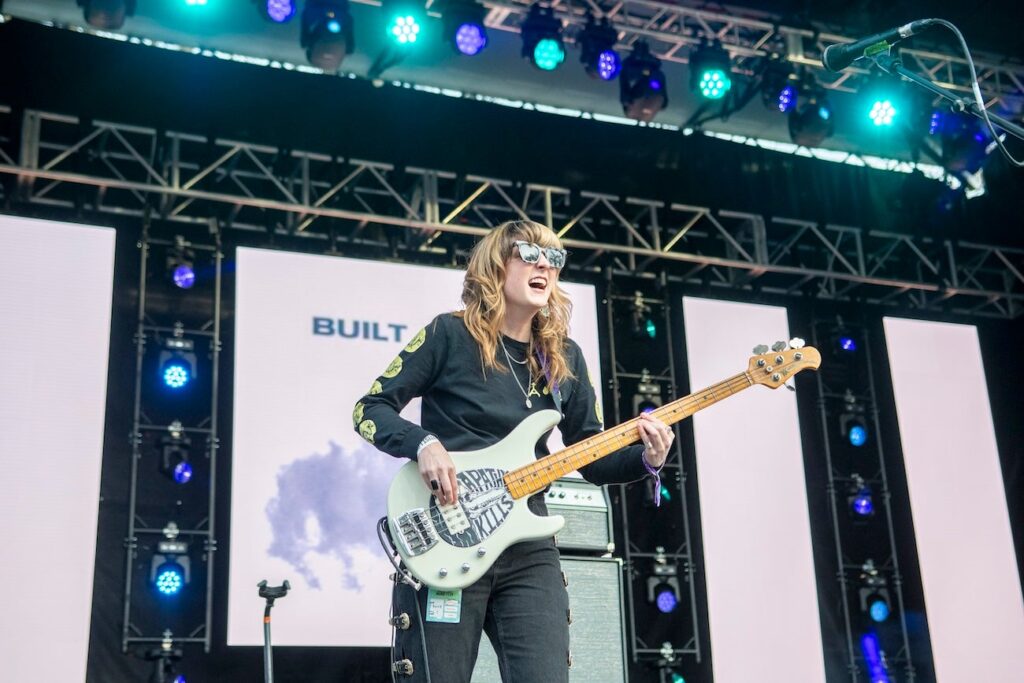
(531, 471)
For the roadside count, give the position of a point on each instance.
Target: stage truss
(69, 163)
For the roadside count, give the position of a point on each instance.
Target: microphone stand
(892, 65)
(270, 593)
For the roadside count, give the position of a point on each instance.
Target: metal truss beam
(120, 169)
(671, 30)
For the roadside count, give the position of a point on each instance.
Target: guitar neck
(534, 477)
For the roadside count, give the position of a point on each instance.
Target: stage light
(464, 26)
(177, 362)
(847, 344)
(643, 89)
(780, 89)
(709, 71)
(180, 263)
(542, 38)
(175, 454)
(852, 423)
(663, 584)
(874, 658)
(597, 49)
(196, 3)
(277, 11)
(327, 33)
(811, 121)
(107, 14)
(648, 394)
(883, 101)
(180, 679)
(964, 141)
(170, 568)
(404, 28)
(873, 593)
(859, 498)
(882, 112)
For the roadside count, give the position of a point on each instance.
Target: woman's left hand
(657, 438)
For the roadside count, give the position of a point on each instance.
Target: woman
(480, 372)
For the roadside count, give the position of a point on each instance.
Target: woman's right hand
(436, 465)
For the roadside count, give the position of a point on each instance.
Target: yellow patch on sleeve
(597, 402)
(357, 414)
(376, 388)
(394, 368)
(367, 429)
(417, 341)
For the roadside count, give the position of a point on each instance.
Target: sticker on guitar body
(484, 504)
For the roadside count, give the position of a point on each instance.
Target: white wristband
(427, 440)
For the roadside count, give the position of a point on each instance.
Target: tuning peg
(796, 343)
(779, 346)
(760, 348)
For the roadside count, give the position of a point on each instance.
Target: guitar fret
(533, 477)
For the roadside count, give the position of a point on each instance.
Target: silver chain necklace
(529, 403)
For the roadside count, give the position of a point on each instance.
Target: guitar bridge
(416, 532)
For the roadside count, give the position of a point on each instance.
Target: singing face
(530, 274)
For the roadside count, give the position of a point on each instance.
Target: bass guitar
(451, 546)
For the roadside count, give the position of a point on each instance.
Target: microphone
(838, 57)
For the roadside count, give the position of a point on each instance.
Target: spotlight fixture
(642, 322)
(327, 33)
(874, 658)
(464, 26)
(883, 101)
(107, 14)
(852, 424)
(846, 343)
(709, 71)
(174, 454)
(597, 49)
(811, 121)
(667, 674)
(405, 22)
(170, 569)
(648, 394)
(964, 142)
(780, 87)
(181, 264)
(643, 89)
(277, 11)
(177, 362)
(859, 499)
(542, 38)
(874, 593)
(663, 583)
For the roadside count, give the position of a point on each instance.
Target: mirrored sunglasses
(530, 253)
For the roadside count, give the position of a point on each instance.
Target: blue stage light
(176, 374)
(170, 578)
(470, 39)
(873, 658)
(280, 11)
(666, 600)
(184, 276)
(858, 435)
(180, 679)
(182, 472)
(879, 610)
(847, 344)
(863, 505)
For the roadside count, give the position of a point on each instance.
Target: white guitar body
(448, 547)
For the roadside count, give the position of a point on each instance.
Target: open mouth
(538, 284)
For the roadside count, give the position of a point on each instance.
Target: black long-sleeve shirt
(468, 409)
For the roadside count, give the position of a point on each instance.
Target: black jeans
(522, 605)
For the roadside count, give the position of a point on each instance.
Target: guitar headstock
(772, 367)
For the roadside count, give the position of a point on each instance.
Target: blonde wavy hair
(483, 296)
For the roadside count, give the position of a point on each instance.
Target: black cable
(977, 90)
(415, 585)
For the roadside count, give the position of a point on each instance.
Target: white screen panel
(971, 586)
(762, 596)
(55, 296)
(306, 489)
